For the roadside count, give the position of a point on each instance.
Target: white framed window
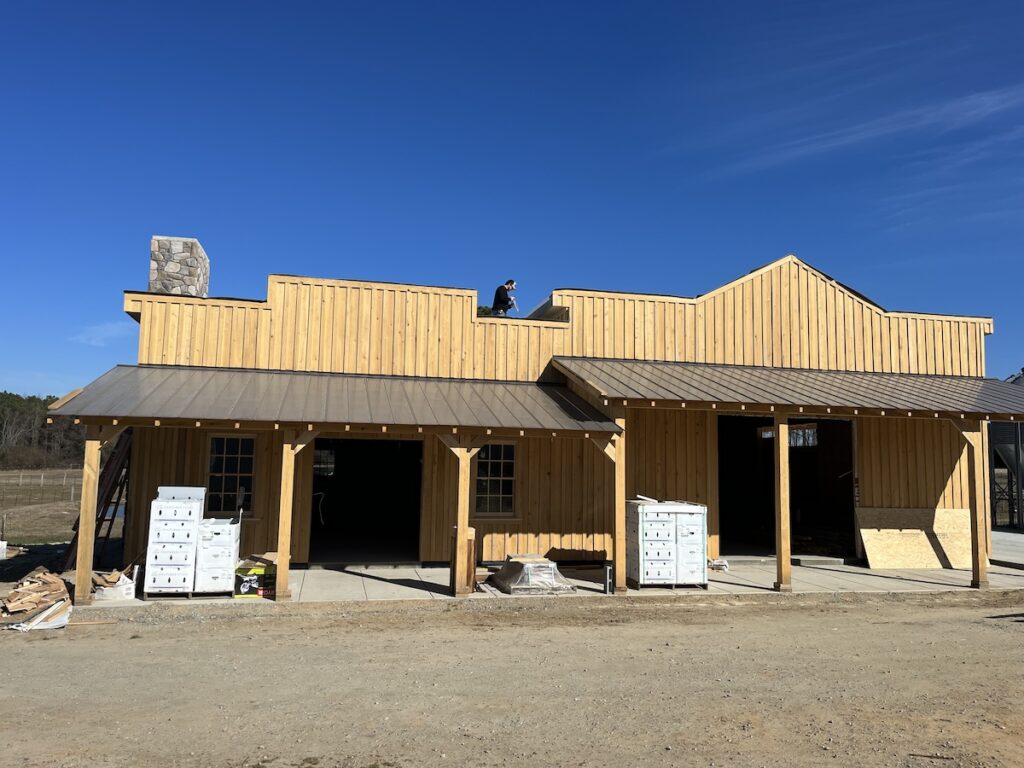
(800, 435)
(323, 462)
(231, 474)
(495, 481)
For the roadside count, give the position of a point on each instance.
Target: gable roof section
(845, 391)
(766, 269)
(228, 394)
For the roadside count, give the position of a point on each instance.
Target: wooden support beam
(714, 520)
(96, 436)
(461, 578)
(783, 566)
(87, 516)
(605, 444)
(976, 480)
(464, 448)
(986, 455)
(304, 439)
(284, 514)
(619, 529)
(64, 400)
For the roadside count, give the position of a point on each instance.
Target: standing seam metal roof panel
(701, 382)
(180, 392)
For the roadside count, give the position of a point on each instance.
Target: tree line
(28, 442)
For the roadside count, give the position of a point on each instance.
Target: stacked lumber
(40, 600)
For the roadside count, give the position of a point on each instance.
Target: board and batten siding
(564, 486)
(564, 499)
(786, 314)
(911, 464)
(180, 456)
(563, 503)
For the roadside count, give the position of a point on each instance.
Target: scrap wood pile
(103, 580)
(39, 601)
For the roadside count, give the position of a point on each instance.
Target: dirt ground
(933, 680)
(41, 523)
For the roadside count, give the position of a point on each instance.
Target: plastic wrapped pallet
(530, 575)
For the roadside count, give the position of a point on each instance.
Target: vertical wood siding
(564, 510)
(177, 456)
(666, 457)
(564, 496)
(911, 464)
(564, 486)
(784, 315)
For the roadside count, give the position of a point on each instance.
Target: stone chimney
(178, 265)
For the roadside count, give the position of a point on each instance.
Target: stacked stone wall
(178, 266)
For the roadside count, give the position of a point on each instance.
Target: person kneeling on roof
(503, 300)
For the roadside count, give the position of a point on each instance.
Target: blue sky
(664, 147)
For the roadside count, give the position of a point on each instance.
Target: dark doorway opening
(821, 496)
(366, 501)
(746, 486)
(821, 486)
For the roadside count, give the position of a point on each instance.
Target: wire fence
(40, 477)
(13, 495)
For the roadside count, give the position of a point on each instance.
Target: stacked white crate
(174, 519)
(217, 555)
(666, 542)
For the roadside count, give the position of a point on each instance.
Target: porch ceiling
(222, 394)
(896, 394)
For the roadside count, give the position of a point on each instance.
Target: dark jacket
(502, 302)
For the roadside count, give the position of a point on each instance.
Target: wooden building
(364, 422)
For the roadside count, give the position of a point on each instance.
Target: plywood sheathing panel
(915, 538)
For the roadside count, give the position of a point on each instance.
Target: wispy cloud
(101, 334)
(939, 117)
(969, 181)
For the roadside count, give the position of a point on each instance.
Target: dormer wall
(786, 314)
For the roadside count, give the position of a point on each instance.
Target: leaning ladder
(111, 494)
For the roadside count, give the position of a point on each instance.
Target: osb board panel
(784, 315)
(563, 500)
(911, 463)
(915, 538)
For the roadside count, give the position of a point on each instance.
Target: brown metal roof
(702, 383)
(178, 392)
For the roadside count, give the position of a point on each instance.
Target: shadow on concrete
(424, 586)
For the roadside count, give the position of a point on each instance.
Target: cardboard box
(253, 579)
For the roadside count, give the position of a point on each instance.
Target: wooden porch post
(462, 521)
(464, 449)
(87, 516)
(284, 517)
(714, 522)
(95, 438)
(620, 508)
(977, 478)
(293, 443)
(783, 567)
(614, 448)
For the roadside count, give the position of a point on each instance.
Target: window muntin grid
(231, 474)
(495, 481)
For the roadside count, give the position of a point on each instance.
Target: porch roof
(896, 394)
(229, 394)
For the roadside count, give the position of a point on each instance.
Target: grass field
(39, 506)
(21, 488)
